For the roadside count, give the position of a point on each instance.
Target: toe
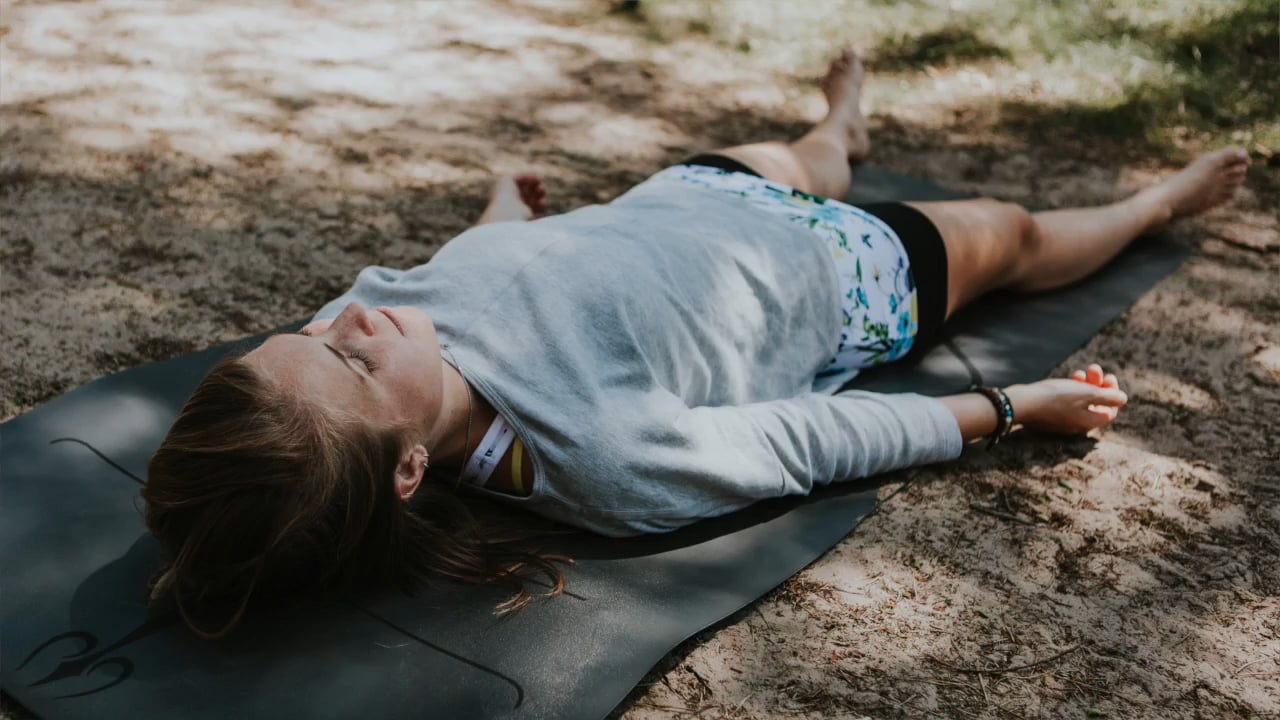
(1231, 156)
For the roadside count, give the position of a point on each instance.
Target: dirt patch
(160, 197)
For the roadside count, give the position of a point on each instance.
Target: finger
(1102, 416)
(1110, 381)
(1079, 375)
(1105, 410)
(1111, 397)
(1095, 374)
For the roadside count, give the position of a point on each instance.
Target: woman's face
(383, 365)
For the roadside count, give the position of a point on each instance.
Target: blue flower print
(828, 214)
(901, 347)
(904, 324)
(870, 334)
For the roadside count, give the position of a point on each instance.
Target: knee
(1022, 225)
(1022, 232)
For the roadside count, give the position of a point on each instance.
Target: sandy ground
(172, 180)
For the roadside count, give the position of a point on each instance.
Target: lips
(387, 312)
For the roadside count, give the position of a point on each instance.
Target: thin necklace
(466, 442)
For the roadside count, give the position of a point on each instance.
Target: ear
(410, 471)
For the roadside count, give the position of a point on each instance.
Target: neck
(452, 446)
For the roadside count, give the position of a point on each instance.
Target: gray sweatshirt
(657, 357)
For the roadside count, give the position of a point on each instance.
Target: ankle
(1154, 210)
(828, 132)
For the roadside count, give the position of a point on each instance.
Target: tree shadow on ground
(173, 252)
(1228, 78)
(951, 45)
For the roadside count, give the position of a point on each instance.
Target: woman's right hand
(1090, 399)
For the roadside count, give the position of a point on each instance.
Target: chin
(414, 319)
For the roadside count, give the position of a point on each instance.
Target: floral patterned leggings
(877, 290)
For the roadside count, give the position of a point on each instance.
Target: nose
(354, 315)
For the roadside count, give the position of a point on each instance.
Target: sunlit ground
(1156, 72)
(175, 175)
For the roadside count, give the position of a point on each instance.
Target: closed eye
(369, 364)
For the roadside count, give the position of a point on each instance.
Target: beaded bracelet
(1004, 411)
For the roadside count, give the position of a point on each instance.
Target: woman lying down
(624, 368)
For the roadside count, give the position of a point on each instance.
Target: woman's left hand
(1090, 399)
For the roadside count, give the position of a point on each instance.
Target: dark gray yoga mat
(76, 640)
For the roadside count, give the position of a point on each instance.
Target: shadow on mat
(329, 240)
(588, 546)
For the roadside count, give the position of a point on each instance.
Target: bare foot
(843, 88)
(516, 199)
(1210, 180)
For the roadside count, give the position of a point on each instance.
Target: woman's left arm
(693, 462)
(788, 446)
(1089, 400)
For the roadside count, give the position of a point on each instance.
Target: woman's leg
(515, 199)
(818, 163)
(993, 245)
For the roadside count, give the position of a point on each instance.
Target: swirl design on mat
(84, 661)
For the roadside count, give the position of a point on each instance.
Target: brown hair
(257, 498)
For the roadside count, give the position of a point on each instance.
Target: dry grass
(159, 196)
(1149, 71)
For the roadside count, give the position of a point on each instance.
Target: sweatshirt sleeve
(707, 461)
